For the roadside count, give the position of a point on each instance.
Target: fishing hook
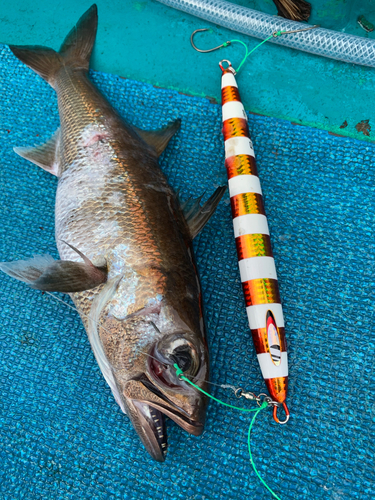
(275, 34)
(225, 44)
(287, 415)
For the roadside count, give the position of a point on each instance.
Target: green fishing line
(251, 456)
(277, 33)
(264, 405)
(180, 373)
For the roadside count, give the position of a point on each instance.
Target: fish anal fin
(159, 139)
(44, 273)
(45, 156)
(197, 215)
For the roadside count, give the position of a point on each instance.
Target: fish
(124, 239)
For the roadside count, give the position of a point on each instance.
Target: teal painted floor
(149, 42)
(64, 436)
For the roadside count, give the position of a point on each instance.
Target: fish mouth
(172, 410)
(151, 417)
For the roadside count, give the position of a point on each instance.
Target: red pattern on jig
(255, 259)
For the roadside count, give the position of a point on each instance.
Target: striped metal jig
(255, 259)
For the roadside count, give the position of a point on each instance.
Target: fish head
(159, 392)
(142, 350)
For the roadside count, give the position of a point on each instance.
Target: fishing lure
(255, 258)
(251, 232)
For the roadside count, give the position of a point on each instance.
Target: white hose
(320, 41)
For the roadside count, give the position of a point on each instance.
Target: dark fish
(125, 246)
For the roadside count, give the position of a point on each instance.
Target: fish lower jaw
(151, 429)
(159, 401)
(147, 410)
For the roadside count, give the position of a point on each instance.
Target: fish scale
(80, 224)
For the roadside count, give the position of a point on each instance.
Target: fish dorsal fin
(158, 139)
(44, 273)
(197, 215)
(45, 156)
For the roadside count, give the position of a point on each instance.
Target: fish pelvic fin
(197, 215)
(45, 156)
(159, 139)
(44, 273)
(75, 51)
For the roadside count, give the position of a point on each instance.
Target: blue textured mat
(62, 434)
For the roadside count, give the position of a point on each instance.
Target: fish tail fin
(77, 46)
(43, 60)
(75, 51)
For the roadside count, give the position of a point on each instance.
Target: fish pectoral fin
(45, 156)
(158, 139)
(197, 215)
(44, 273)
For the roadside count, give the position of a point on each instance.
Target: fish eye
(182, 355)
(176, 350)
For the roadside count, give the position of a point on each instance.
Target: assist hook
(225, 44)
(275, 34)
